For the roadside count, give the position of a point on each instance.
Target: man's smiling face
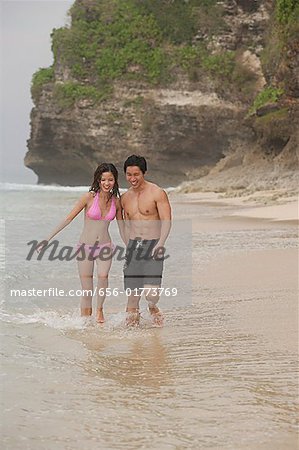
(134, 176)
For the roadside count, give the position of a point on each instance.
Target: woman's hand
(41, 245)
(81, 203)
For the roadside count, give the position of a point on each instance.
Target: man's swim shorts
(140, 267)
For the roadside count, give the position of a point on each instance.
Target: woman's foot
(133, 317)
(86, 312)
(100, 315)
(156, 315)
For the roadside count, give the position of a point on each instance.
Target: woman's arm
(81, 203)
(120, 220)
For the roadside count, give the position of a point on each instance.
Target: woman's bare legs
(85, 269)
(103, 268)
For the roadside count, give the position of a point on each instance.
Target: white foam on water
(118, 321)
(53, 187)
(52, 319)
(41, 187)
(72, 321)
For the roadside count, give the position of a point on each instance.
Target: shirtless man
(147, 215)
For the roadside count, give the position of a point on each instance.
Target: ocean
(203, 380)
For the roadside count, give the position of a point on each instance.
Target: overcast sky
(25, 47)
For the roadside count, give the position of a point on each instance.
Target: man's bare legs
(153, 297)
(133, 314)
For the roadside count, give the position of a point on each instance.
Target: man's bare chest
(140, 206)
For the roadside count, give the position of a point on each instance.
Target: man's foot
(156, 315)
(100, 316)
(133, 318)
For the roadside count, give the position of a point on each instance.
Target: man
(147, 215)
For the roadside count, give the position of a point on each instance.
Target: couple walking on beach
(143, 214)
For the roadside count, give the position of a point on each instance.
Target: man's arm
(164, 211)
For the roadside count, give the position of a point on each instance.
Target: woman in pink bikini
(101, 205)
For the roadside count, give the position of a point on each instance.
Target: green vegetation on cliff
(279, 55)
(275, 108)
(112, 41)
(152, 42)
(39, 79)
(268, 95)
(128, 39)
(148, 41)
(67, 93)
(287, 12)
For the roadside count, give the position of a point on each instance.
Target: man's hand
(158, 251)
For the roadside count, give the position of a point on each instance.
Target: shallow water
(201, 381)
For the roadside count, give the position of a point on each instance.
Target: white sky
(25, 46)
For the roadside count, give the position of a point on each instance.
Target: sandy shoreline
(269, 205)
(264, 280)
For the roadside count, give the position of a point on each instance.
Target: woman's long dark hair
(102, 168)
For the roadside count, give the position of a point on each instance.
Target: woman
(101, 205)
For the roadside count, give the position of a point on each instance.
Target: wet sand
(274, 319)
(264, 269)
(221, 373)
(257, 287)
(258, 206)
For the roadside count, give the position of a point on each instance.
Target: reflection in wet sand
(131, 358)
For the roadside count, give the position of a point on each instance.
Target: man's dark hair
(136, 160)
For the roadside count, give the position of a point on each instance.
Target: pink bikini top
(94, 211)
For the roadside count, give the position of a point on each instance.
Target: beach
(221, 373)
(265, 269)
(274, 205)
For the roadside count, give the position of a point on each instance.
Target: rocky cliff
(173, 81)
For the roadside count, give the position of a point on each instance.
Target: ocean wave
(51, 319)
(41, 187)
(53, 187)
(72, 321)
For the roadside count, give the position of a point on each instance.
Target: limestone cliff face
(183, 129)
(176, 130)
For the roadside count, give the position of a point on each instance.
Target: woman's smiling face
(107, 181)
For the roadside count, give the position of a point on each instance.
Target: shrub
(142, 40)
(196, 58)
(268, 95)
(66, 94)
(39, 79)
(286, 11)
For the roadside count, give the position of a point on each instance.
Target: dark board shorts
(140, 267)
